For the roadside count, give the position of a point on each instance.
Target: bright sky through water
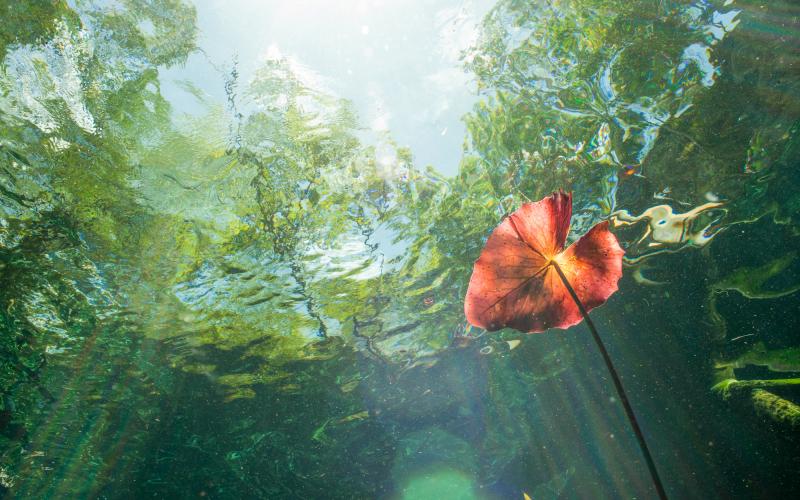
(398, 61)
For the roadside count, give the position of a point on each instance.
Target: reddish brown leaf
(514, 284)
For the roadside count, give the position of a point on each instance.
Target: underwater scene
(400, 249)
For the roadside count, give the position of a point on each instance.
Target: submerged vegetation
(236, 299)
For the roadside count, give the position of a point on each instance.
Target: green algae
(753, 282)
(758, 393)
(776, 360)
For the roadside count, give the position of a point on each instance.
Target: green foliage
(31, 22)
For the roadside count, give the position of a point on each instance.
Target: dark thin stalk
(618, 384)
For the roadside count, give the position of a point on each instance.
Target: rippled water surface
(236, 238)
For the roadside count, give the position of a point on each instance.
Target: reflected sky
(398, 61)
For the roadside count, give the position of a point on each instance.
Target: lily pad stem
(617, 383)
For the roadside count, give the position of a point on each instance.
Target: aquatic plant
(524, 279)
(760, 394)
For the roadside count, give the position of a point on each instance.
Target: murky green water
(235, 240)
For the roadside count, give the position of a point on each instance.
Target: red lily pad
(514, 282)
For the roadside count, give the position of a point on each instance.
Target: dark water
(240, 284)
